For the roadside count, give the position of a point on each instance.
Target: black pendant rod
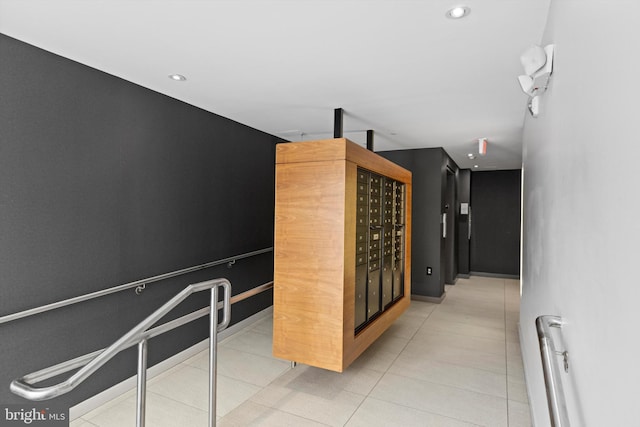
(337, 123)
(370, 140)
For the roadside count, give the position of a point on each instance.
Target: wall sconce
(538, 66)
(482, 146)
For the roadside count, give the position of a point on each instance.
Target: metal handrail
(78, 362)
(553, 384)
(140, 336)
(114, 289)
(24, 386)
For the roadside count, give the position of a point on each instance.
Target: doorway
(449, 230)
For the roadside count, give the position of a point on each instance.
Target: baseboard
(425, 298)
(496, 275)
(463, 276)
(119, 389)
(526, 375)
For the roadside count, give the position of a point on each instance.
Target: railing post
(142, 384)
(139, 335)
(213, 347)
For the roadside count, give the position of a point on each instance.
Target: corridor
(452, 364)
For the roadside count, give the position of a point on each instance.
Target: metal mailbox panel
(379, 245)
(373, 294)
(361, 295)
(361, 248)
(398, 280)
(361, 258)
(387, 243)
(387, 281)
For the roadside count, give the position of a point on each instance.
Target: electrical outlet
(429, 271)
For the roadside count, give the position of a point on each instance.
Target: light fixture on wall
(482, 146)
(537, 63)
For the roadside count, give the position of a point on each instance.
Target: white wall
(581, 251)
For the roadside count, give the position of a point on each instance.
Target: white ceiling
(398, 67)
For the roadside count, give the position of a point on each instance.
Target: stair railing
(139, 336)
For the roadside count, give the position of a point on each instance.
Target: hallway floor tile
(452, 364)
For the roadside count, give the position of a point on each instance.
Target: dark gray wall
(429, 168)
(495, 237)
(464, 196)
(103, 182)
(450, 255)
(447, 246)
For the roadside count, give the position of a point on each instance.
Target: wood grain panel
(309, 262)
(349, 300)
(312, 151)
(314, 252)
(339, 149)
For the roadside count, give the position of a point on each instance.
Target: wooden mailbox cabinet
(342, 250)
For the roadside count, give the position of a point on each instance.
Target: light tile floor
(452, 364)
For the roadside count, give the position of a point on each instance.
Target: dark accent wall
(448, 204)
(429, 169)
(464, 196)
(103, 182)
(495, 238)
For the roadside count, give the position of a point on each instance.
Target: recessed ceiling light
(471, 156)
(177, 77)
(458, 12)
(475, 166)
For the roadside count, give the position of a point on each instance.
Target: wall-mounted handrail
(125, 286)
(552, 380)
